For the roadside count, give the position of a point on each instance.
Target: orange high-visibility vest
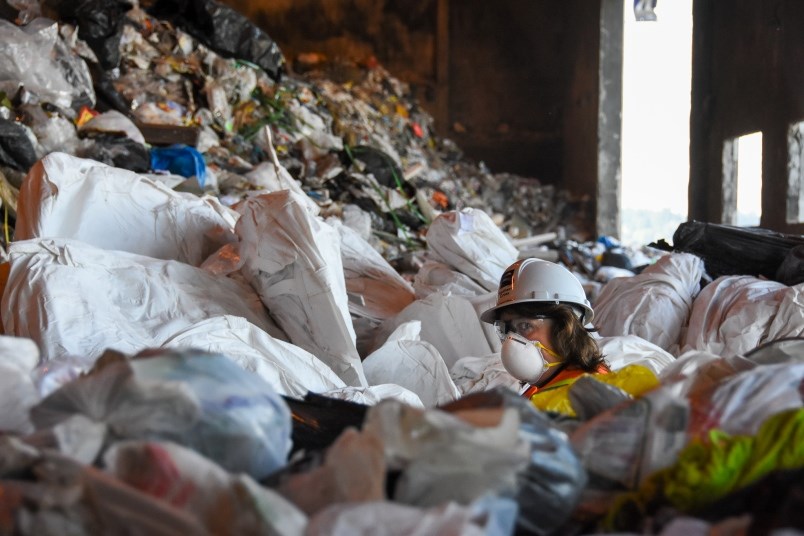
(562, 378)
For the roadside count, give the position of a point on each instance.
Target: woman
(540, 316)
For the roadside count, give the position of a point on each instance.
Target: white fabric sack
(476, 374)
(116, 209)
(742, 402)
(18, 357)
(470, 241)
(655, 304)
(789, 319)
(290, 370)
(696, 371)
(293, 260)
(438, 277)
(624, 350)
(74, 299)
(449, 323)
(413, 364)
(376, 291)
(733, 314)
(481, 304)
(374, 394)
(281, 179)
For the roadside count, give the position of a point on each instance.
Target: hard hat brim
(492, 314)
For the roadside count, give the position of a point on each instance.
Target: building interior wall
(747, 77)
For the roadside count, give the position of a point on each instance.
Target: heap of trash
(273, 326)
(169, 96)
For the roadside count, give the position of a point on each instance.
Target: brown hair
(571, 340)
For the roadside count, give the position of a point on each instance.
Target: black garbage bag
(791, 271)
(100, 24)
(120, 152)
(224, 30)
(319, 420)
(16, 149)
(730, 250)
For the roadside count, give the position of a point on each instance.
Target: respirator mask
(523, 359)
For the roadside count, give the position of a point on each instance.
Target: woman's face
(536, 328)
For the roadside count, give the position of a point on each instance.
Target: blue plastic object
(180, 160)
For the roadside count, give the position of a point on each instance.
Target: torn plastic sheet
(469, 241)
(36, 57)
(203, 401)
(111, 208)
(413, 364)
(290, 370)
(655, 304)
(225, 503)
(733, 314)
(376, 291)
(74, 299)
(293, 260)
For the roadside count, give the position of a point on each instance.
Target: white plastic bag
(116, 209)
(469, 241)
(293, 260)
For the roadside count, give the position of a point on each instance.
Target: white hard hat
(539, 281)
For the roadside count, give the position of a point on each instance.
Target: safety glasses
(520, 326)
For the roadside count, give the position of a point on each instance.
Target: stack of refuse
(164, 90)
(208, 355)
